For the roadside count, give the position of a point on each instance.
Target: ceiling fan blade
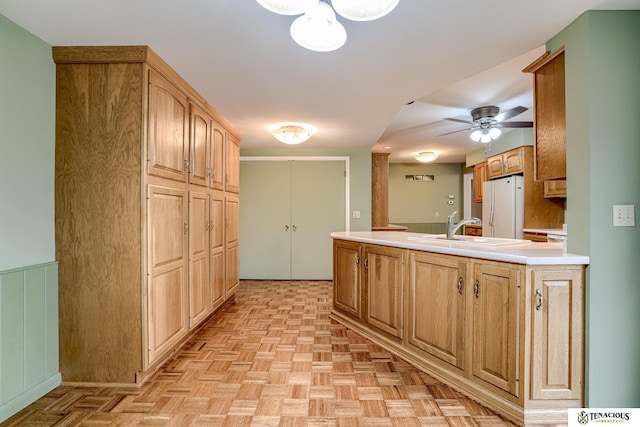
(507, 114)
(516, 124)
(467, 122)
(456, 131)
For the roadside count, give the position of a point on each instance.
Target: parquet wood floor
(272, 358)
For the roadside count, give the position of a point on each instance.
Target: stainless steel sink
(470, 240)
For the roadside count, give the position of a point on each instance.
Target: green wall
(602, 60)
(424, 201)
(360, 174)
(27, 142)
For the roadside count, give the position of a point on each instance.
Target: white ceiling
(448, 56)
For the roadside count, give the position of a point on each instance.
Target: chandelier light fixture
(318, 29)
(291, 133)
(426, 156)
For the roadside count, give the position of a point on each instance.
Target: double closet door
(288, 210)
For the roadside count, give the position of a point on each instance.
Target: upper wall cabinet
(550, 122)
(168, 129)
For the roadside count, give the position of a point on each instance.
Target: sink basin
(471, 240)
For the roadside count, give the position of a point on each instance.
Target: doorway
(288, 209)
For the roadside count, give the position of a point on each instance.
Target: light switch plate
(355, 214)
(624, 216)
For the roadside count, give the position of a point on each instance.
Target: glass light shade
(485, 137)
(476, 135)
(287, 7)
(291, 134)
(426, 156)
(495, 133)
(318, 29)
(363, 10)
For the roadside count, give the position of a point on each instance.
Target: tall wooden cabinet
(145, 245)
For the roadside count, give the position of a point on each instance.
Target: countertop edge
(526, 253)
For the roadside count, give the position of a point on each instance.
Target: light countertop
(532, 253)
(557, 231)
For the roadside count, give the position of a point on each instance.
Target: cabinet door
(513, 161)
(550, 119)
(217, 156)
(496, 327)
(437, 305)
(199, 299)
(384, 278)
(168, 130)
(232, 163)
(167, 292)
(479, 176)
(216, 251)
(232, 234)
(199, 146)
(557, 334)
(346, 282)
(494, 166)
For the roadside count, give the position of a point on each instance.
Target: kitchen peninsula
(500, 320)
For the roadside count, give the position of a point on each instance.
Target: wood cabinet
(556, 188)
(557, 313)
(505, 164)
(496, 325)
(473, 230)
(168, 129)
(508, 335)
(138, 271)
(232, 163)
(535, 236)
(549, 116)
(346, 282)
(383, 288)
(232, 241)
(216, 249)
(480, 175)
(437, 306)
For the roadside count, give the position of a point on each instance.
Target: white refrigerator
(503, 207)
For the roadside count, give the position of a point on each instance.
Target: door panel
(317, 209)
(288, 210)
(264, 216)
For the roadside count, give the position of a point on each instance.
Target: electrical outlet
(624, 216)
(356, 214)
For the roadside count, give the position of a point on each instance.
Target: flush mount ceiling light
(426, 156)
(364, 10)
(291, 134)
(318, 29)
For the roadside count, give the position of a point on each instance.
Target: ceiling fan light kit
(318, 29)
(292, 134)
(487, 121)
(426, 156)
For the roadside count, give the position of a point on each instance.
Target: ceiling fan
(487, 121)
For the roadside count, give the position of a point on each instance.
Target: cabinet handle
(539, 299)
(357, 261)
(212, 225)
(460, 282)
(294, 228)
(186, 228)
(186, 165)
(366, 263)
(476, 285)
(286, 227)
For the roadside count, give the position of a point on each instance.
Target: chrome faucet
(452, 228)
